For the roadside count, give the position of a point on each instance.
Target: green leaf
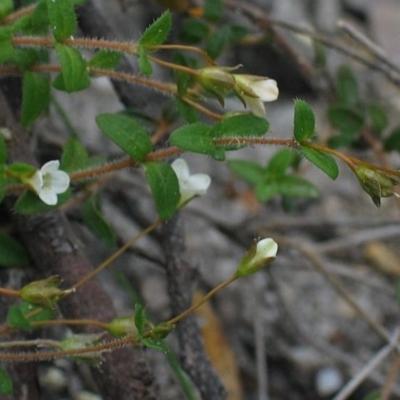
(144, 63)
(18, 315)
(195, 138)
(187, 111)
(95, 221)
(346, 119)
(12, 253)
(155, 344)
(6, 7)
(347, 87)
(378, 117)
(28, 203)
(3, 150)
(392, 142)
(74, 75)
(35, 97)
(158, 31)
(213, 9)
(217, 42)
(6, 47)
(40, 18)
(325, 162)
(24, 58)
(164, 186)
(105, 59)
(342, 140)
(126, 133)
(280, 162)
(62, 18)
(6, 385)
(74, 156)
(304, 121)
(242, 125)
(247, 170)
(193, 30)
(21, 170)
(140, 318)
(285, 186)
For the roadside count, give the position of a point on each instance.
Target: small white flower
(48, 182)
(255, 90)
(190, 186)
(258, 256)
(266, 249)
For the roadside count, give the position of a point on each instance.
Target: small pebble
(328, 380)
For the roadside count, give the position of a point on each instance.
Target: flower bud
(44, 293)
(254, 90)
(259, 255)
(123, 326)
(217, 81)
(83, 341)
(376, 183)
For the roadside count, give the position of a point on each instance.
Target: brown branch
(181, 277)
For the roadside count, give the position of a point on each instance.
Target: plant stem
(114, 256)
(211, 293)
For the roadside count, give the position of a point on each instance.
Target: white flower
(190, 186)
(266, 249)
(258, 256)
(48, 182)
(254, 90)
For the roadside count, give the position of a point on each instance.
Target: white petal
(60, 181)
(36, 181)
(200, 183)
(50, 167)
(48, 197)
(180, 168)
(266, 89)
(266, 248)
(256, 106)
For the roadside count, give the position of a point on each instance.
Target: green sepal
(158, 31)
(62, 18)
(304, 121)
(12, 253)
(74, 75)
(126, 133)
(164, 186)
(325, 162)
(35, 97)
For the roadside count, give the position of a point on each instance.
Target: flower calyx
(258, 256)
(376, 183)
